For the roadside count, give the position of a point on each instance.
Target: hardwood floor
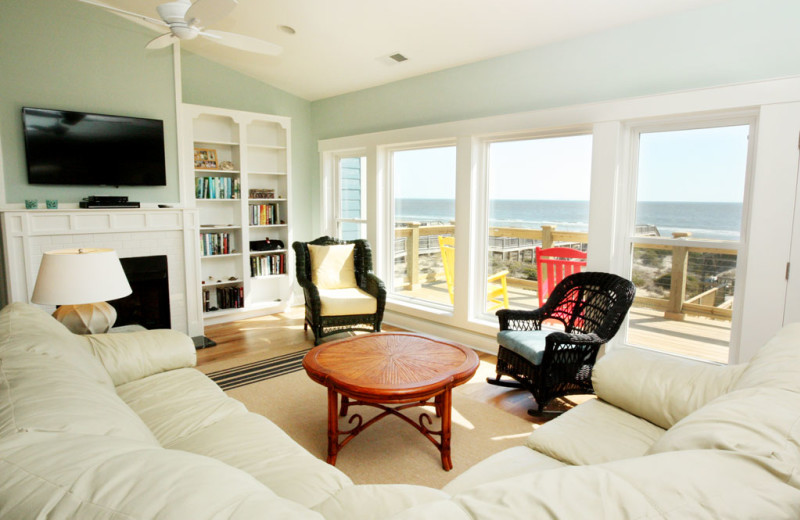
(269, 336)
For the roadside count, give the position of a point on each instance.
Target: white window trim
(611, 122)
(627, 204)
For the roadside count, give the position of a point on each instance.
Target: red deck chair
(553, 265)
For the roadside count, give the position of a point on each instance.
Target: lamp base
(87, 318)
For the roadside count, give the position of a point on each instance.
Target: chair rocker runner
(342, 293)
(549, 364)
(497, 292)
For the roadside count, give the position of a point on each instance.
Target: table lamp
(80, 281)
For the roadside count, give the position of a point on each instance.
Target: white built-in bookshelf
(241, 186)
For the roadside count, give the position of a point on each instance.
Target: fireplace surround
(172, 233)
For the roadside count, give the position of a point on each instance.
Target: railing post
(677, 286)
(547, 236)
(412, 257)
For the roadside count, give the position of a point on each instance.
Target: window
(687, 239)
(538, 197)
(424, 193)
(350, 206)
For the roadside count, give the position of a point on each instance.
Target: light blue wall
(208, 83)
(730, 42)
(67, 55)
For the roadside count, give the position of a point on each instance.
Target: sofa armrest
(134, 355)
(659, 388)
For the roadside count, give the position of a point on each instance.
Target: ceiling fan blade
(242, 42)
(206, 12)
(159, 42)
(127, 14)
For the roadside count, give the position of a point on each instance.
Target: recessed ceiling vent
(392, 59)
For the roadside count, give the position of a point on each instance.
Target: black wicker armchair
(324, 325)
(591, 306)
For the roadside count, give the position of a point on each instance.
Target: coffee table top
(390, 366)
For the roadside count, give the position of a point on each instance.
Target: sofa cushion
(519, 460)
(758, 421)
(529, 344)
(84, 476)
(346, 302)
(134, 355)
(369, 502)
(776, 364)
(50, 383)
(255, 445)
(178, 403)
(332, 267)
(660, 388)
(594, 432)
(679, 485)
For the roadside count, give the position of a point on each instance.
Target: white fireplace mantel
(28, 234)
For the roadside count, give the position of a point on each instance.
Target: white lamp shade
(77, 276)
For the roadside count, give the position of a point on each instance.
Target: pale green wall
(208, 83)
(730, 42)
(67, 55)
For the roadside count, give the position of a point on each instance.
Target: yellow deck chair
(497, 295)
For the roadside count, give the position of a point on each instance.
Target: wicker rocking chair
(330, 313)
(550, 364)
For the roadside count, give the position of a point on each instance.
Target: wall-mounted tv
(63, 147)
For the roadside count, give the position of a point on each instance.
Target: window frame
(629, 199)
(387, 204)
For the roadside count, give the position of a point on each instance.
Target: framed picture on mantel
(205, 159)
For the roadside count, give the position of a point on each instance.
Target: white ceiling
(339, 44)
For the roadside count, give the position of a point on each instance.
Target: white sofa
(119, 426)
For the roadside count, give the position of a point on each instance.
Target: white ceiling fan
(186, 21)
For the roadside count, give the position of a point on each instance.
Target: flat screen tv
(63, 147)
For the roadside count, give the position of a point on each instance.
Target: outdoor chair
(341, 291)
(591, 307)
(553, 265)
(497, 293)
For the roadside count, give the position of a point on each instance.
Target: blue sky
(705, 165)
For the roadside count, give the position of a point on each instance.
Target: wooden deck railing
(675, 307)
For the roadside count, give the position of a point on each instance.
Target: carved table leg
(446, 407)
(333, 426)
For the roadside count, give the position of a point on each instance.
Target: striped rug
(258, 371)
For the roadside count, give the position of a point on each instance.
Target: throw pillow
(333, 267)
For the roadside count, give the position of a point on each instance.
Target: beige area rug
(390, 451)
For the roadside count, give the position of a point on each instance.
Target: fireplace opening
(148, 304)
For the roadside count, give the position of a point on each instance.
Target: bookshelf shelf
(244, 151)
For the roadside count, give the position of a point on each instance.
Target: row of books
(268, 264)
(264, 214)
(216, 244)
(217, 188)
(223, 298)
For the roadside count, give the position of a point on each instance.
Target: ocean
(710, 220)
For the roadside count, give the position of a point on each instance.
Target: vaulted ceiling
(341, 46)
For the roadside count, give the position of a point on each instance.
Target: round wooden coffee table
(403, 370)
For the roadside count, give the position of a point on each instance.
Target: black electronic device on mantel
(63, 147)
(97, 202)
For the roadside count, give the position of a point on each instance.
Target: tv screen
(63, 147)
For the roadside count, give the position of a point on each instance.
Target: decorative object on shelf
(266, 245)
(262, 194)
(205, 158)
(226, 165)
(31, 203)
(81, 281)
(51, 203)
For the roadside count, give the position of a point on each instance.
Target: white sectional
(120, 426)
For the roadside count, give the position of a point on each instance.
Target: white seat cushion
(595, 432)
(507, 464)
(346, 302)
(332, 267)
